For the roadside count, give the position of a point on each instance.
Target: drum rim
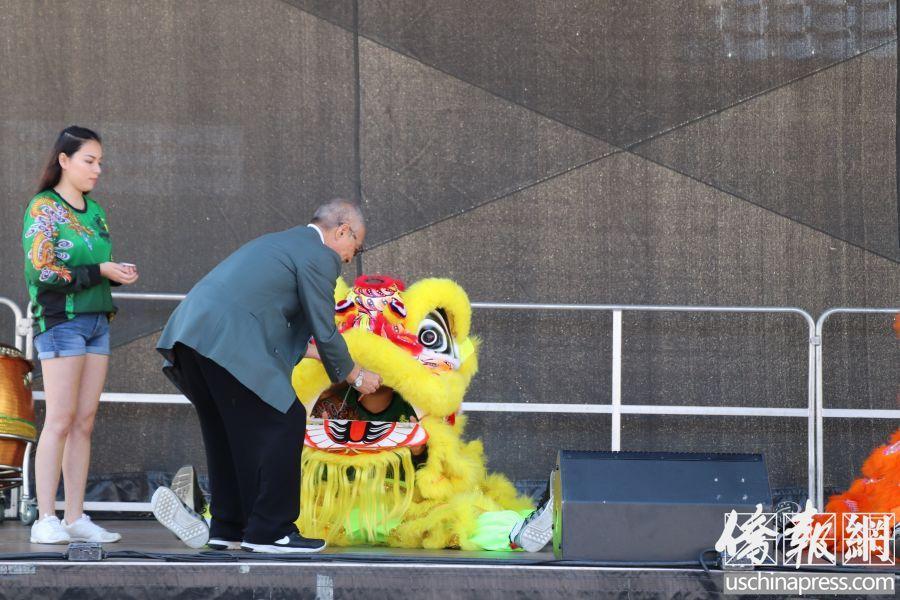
(7, 351)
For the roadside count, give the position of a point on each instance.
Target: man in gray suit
(230, 347)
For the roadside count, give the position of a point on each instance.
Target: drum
(17, 428)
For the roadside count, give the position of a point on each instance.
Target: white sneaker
(49, 530)
(293, 543)
(172, 513)
(536, 530)
(84, 530)
(187, 488)
(222, 544)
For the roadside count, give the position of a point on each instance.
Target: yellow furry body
(365, 489)
(363, 498)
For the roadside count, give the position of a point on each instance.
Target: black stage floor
(151, 563)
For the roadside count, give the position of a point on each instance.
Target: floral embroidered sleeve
(47, 253)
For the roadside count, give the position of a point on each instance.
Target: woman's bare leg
(77, 455)
(62, 380)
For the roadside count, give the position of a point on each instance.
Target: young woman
(69, 273)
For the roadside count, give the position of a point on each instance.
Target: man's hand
(126, 275)
(369, 383)
(312, 352)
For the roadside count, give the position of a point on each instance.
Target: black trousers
(252, 452)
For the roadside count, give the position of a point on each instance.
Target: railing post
(27, 325)
(820, 426)
(616, 444)
(812, 432)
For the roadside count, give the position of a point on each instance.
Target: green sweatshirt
(63, 251)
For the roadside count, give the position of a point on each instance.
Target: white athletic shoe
(187, 488)
(49, 530)
(84, 530)
(171, 512)
(536, 530)
(220, 544)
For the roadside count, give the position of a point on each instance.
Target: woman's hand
(124, 274)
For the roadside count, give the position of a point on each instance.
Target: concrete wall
(709, 152)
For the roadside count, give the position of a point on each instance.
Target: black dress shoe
(289, 544)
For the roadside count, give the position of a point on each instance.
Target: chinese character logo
(868, 539)
(807, 537)
(748, 537)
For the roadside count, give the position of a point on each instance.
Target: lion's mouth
(353, 436)
(341, 422)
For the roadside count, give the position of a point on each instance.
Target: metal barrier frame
(615, 408)
(822, 412)
(22, 325)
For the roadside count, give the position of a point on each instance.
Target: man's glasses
(358, 248)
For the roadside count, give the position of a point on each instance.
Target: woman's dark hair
(70, 141)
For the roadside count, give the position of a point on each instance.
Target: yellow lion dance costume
(360, 484)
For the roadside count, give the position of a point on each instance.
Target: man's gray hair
(337, 211)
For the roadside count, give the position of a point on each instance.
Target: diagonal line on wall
(520, 188)
(328, 19)
(766, 208)
(759, 94)
(448, 74)
(641, 157)
(628, 148)
(667, 131)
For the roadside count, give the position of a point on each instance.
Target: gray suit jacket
(254, 314)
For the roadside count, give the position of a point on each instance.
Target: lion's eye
(434, 334)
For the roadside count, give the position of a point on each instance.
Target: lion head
(417, 339)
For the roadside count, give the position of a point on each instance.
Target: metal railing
(822, 412)
(22, 325)
(615, 408)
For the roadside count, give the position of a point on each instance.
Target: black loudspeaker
(650, 506)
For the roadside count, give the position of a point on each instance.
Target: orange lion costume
(878, 490)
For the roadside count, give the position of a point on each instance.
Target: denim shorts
(87, 333)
